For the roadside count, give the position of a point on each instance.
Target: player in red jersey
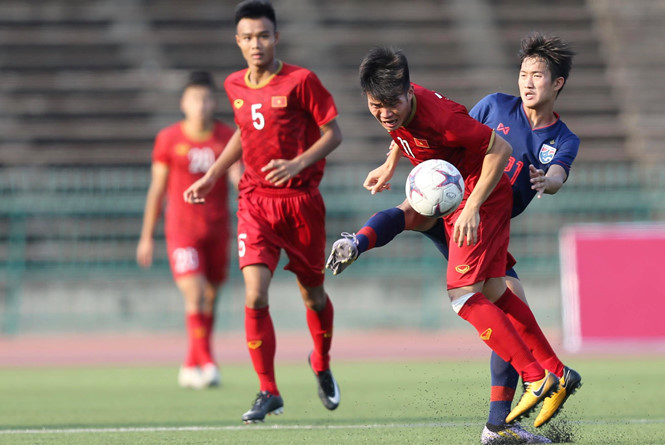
(286, 127)
(426, 125)
(197, 237)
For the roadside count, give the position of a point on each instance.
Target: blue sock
(504, 383)
(438, 236)
(380, 229)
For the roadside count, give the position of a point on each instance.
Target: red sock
(196, 333)
(499, 334)
(522, 318)
(262, 344)
(208, 323)
(321, 327)
(190, 325)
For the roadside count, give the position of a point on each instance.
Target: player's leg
(261, 342)
(305, 246)
(525, 322)
(475, 269)
(192, 287)
(320, 317)
(496, 330)
(187, 267)
(215, 250)
(522, 318)
(258, 255)
(378, 231)
(504, 380)
(569, 379)
(209, 369)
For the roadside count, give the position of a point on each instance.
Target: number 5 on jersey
(257, 118)
(242, 249)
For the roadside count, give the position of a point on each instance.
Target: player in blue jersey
(543, 152)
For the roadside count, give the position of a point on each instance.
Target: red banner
(613, 284)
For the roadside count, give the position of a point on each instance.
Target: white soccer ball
(434, 188)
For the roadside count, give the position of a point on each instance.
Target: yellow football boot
(534, 393)
(568, 384)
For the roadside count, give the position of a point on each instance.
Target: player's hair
(384, 74)
(255, 9)
(201, 79)
(557, 54)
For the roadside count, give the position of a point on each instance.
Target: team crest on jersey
(238, 103)
(181, 149)
(278, 102)
(421, 143)
(546, 153)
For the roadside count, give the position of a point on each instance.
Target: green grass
(621, 402)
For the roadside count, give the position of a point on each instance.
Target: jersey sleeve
(160, 151)
(462, 130)
(480, 111)
(318, 100)
(567, 153)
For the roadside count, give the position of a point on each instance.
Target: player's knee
(314, 298)
(255, 300)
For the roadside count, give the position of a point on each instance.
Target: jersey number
(406, 147)
(185, 259)
(258, 120)
(242, 249)
(518, 168)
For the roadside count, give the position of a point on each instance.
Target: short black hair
(255, 9)
(557, 54)
(384, 74)
(201, 79)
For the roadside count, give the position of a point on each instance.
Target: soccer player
(426, 125)
(197, 237)
(286, 126)
(541, 142)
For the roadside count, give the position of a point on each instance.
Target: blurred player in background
(426, 125)
(543, 152)
(286, 126)
(197, 237)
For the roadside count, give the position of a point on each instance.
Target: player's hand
(538, 180)
(144, 252)
(280, 171)
(377, 180)
(466, 227)
(196, 193)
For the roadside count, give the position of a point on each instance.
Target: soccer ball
(434, 188)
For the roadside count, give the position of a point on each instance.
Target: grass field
(622, 402)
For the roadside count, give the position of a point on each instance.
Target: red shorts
(489, 258)
(289, 219)
(208, 256)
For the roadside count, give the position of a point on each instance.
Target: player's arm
(494, 163)
(282, 170)
(377, 179)
(235, 173)
(151, 212)
(549, 182)
(196, 193)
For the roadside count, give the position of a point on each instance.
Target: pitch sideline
(285, 427)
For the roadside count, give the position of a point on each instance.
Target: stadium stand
(633, 34)
(86, 84)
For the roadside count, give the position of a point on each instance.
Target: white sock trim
(459, 302)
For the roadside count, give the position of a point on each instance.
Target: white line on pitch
(289, 427)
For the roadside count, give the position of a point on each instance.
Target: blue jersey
(540, 147)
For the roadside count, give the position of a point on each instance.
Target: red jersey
(279, 119)
(440, 128)
(188, 160)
